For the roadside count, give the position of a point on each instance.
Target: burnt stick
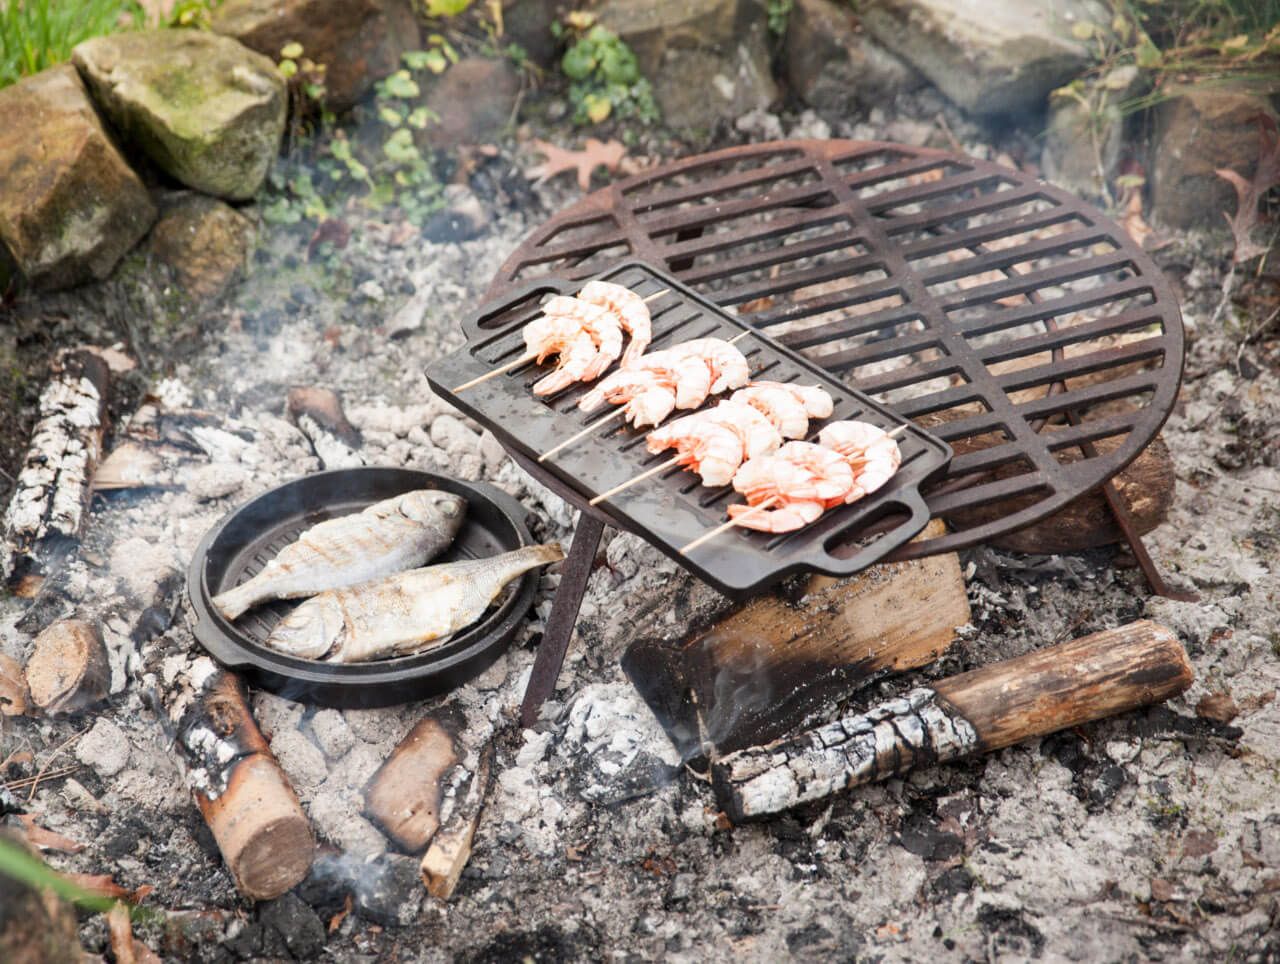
(1036, 694)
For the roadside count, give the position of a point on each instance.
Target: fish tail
(234, 602)
(544, 554)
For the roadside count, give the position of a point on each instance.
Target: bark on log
(243, 794)
(775, 664)
(461, 805)
(1036, 694)
(405, 795)
(68, 670)
(50, 503)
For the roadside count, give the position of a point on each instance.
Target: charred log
(461, 804)
(245, 797)
(68, 670)
(1036, 694)
(404, 797)
(50, 503)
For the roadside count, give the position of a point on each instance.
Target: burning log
(243, 794)
(50, 503)
(996, 706)
(319, 415)
(404, 796)
(775, 663)
(450, 849)
(68, 670)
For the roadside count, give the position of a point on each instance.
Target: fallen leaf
(1161, 889)
(102, 885)
(336, 232)
(607, 154)
(1218, 707)
(1250, 192)
(1132, 220)
(336, 920)
(13, 687)
(47, 839)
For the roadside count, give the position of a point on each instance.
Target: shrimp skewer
(871, 452)
(630, 310)
(532, 353)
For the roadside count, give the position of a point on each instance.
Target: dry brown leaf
(1219, 707)
(121, 930)
(1132, 220)
(47, 839)
(101, 885)
(607, 154)
(1250, 192)
(336, 920)
(13, 687)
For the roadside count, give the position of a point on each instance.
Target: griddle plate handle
(474, 327)
(918, 517)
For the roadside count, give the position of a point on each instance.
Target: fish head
(432, 505)
(311, 631)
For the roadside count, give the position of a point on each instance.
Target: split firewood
(69, 669)
(1044, 691)
(404, 796)
(13, 687)
(775, 662)
(245, 797)
(50, 503)
(462, 802)
(318, 413)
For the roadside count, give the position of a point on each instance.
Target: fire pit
(1016, 322)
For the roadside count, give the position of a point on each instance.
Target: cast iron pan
(242, 543)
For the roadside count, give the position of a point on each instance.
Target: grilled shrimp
(797, 472)
(711, 449)
(782, 518)
(549, 335)
(759, 437)
(817, 403)
(650, 407)
(601, 323)
(779, 406)
(630, 310)
(872, 454)
(690, 374)
(622, 386)
(729, 368)
(575, 359)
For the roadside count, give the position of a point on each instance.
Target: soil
(1151, 836)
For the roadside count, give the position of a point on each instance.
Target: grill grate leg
(564, 613)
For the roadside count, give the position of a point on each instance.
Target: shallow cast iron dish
(242, 543)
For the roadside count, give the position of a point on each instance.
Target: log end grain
(68, 670)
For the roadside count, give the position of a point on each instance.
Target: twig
(45, 766)
(21, 783)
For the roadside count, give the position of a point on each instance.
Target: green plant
(778, 12)
(16, 862)
(605, 76)
(35, 34)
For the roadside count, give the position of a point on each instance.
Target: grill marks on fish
(387, 537)
(404, 614)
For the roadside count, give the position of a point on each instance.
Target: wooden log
(68, 670)
(14, 695)
(318, 414)
(1055, 688)
(403, 798)
(776, 662)
(245, 797)
(463, 800)
(50, 503)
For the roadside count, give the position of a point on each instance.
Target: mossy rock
(206, 109)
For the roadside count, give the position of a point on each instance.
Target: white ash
(331, 733)
(616, 747)
(105, 748)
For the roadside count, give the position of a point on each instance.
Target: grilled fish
(389, 536)
(402, 614)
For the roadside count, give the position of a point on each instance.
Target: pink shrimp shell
(783, 518)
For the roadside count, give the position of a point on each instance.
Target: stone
(473, 100)
(206, 109)
(357, 41)
(1197, 130)
(989, 58)
(1083, 139)
(205, 242)
(105, 748)
(834, 66)
(300, 758)
(708, 60)
(71, 205)
(289, 925)
(528, 23)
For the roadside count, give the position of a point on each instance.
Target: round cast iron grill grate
(1011, 319)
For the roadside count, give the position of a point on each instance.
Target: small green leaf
(598, 107)
(1083, 30)
(419, 117)
(390, 117)
(446, 8)
(1148, 55)
(415, 59)
(435, 62)
(288, 68)
(292, 51)
(401, 85)
(578, 62)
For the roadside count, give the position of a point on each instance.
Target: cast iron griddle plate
(672, 508)
(241, 545)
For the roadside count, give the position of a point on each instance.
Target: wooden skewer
(620, 410)
(529, 357)
(707, 536)
(674, 460)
